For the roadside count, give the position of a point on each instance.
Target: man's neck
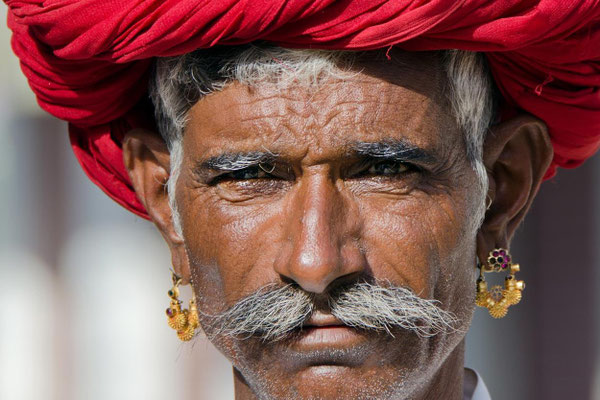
(447, 382)
(241, 388)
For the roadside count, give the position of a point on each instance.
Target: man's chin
(320, 363)
(325, 359)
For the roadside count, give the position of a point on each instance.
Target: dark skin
(320, 214)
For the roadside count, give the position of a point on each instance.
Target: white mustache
(274, 312)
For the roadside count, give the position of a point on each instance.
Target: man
(329, 208)
(324, 177)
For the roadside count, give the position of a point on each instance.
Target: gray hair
(179, 82)
(275, 312)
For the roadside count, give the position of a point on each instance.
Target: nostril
(317, 269)
(346, 280)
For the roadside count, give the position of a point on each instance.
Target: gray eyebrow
(237, 161)
(397, 150)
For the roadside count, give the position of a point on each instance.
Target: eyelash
(397, 167)
(264, 171)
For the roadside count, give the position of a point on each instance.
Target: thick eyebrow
(236, 161)
(397, 150)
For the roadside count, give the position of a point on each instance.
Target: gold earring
(498, 299)
(183, 321)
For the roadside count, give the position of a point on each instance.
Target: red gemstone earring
(498, 298)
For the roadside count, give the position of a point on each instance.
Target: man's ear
(147, 160)
(516, 155)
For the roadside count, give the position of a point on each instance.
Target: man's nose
(323, 230)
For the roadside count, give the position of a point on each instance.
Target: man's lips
(319, 320)
(324, 340)
(324, 331)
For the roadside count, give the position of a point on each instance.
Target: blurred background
(83, 284)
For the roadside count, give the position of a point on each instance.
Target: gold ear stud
(185, 322)
(498, 298)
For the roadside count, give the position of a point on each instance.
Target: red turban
(87, 61)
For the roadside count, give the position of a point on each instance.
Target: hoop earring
(183, 321)
(498, 299)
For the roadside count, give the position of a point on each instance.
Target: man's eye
(388, 168)
(247, 173)
(254, 172)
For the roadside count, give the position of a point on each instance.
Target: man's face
(360, 179)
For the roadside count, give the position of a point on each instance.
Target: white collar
(474, 388)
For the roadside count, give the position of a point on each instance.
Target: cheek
(227, 242)
(421, 240)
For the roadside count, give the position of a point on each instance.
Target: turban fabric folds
(88, 60)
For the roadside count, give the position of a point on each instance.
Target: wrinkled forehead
(375, 98)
